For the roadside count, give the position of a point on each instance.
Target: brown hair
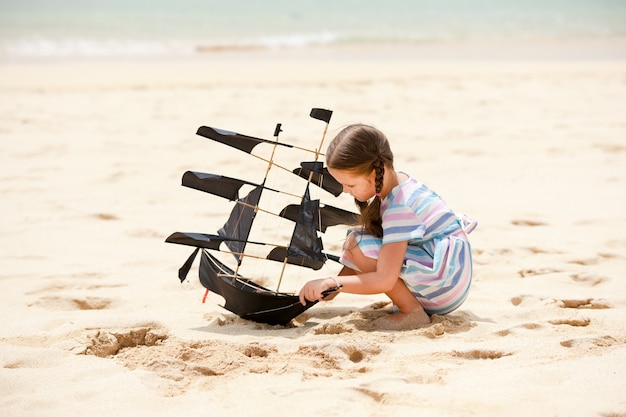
(362, 149)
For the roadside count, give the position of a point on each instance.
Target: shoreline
(311, 64)
(507, 48)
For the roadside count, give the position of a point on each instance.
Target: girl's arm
(380, 280)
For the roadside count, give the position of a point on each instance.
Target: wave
(112, 48)
(60, 48)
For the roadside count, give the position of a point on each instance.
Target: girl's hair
(362, 149)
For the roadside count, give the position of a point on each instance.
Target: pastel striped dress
(437, 266)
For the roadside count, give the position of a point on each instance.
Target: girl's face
(362, 187)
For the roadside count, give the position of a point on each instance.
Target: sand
(94, 321)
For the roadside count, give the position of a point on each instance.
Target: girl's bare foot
(417, 315)
(403, 321)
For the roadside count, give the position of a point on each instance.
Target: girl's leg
(354, 256)
(400, 295)
(407, 304)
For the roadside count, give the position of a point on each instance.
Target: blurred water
(39, 28)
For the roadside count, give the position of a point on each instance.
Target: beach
(94, 320)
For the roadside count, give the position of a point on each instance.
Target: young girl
(410, 245)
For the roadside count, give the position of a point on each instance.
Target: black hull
(247, 299)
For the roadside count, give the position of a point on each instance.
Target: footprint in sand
(582, 322)
(480, 354)
(586, 261)
(536, 251)
(610, 148)
(588, 279)
(524, 222)
(537, 271)
(57, 303)
(592, 343)
(528, 326)
(519, 300)
(106, 216)
(587, 303)
(608, 255)
(594, 260)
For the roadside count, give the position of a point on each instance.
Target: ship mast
(270, 162)
(323, 115)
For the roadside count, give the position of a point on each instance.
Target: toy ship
(242, 295)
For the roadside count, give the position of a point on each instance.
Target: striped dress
(437, 266)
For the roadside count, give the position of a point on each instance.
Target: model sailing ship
(243, 296)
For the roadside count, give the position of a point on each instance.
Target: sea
(161, 28)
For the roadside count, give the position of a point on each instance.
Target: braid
(371, 219)
(379, 167)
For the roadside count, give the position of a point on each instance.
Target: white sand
(95, 323)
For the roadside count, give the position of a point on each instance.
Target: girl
(410, 245)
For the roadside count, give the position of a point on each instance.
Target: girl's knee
(348, 246)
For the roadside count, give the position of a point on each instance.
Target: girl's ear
(372, 177)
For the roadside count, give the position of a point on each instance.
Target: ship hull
(247, 299)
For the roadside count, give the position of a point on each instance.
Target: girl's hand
(312, 290)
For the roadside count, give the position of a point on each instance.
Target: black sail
(318, 174)
(219, 185)
(239, 223)
(236, 140)
(325, 217)
(305, 248)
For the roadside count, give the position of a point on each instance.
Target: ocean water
(98, 28)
